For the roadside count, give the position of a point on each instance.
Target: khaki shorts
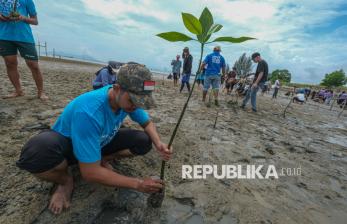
(26, 50)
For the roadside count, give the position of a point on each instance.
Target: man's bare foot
(107, 165)
(42, 96)
(61, 197)
(14, 95)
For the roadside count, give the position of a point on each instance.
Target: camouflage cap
(137, 80)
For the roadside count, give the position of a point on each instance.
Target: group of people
(327, 96)
(324, 96)
(213, 74)
(89, 132)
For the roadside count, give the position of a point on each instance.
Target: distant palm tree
(243, 66)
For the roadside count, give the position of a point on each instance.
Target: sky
(307, 37)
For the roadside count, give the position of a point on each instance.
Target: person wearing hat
(106, 75)
(88, 133)
(259, 80)
(187, 68)
(215, 63)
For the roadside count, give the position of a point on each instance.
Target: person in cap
(88, 133)
(176, 69)
(106, 75)
(215, 63)
(259, 80)
(16, 35)
(187, 68)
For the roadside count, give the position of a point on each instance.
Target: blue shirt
(91, 124)
(104, 78)
(176, 66)
(214, 62)
(17, 31)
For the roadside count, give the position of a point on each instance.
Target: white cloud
(117, 8)
(281, 27)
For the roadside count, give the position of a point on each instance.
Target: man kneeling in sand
(88, 133)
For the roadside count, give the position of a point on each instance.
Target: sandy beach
(311, 137)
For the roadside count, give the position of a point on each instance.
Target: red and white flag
(148, 85)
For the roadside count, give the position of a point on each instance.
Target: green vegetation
(284, 76)
(243, 65)
(335, 79)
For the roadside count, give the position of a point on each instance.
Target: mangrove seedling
(203, 28)
(14, 13)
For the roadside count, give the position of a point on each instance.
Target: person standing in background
(276, 88)
(176, 69)
(16, 35)
(258, 81)
(187, 68)
(215, 64)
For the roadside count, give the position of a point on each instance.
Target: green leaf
(215, 28)
(207, 38)
(233, 39)
(174, 36)
(206, 21)
(192, 23)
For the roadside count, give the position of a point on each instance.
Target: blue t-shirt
(104, 78)
(91, 124)
(214, 62)
(17, 31)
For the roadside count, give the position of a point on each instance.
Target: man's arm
(32, 20)
(223, 70)
(94, 172)
(153, 134)
(261, 73)
(202, 66)
(190, 62)
(3, 18)
(260, 76)
(142, 118)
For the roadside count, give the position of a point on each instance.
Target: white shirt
(277, 84)
(300, 96)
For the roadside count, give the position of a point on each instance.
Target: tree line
(334, 79)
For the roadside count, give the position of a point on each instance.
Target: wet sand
(310, 137)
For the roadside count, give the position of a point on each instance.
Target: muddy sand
(311, 137)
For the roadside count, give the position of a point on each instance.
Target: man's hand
(149, 185)
(3, 18)
(164, 151)
(255, 85)
(21, 18)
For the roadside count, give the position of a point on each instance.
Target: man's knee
(44, 152)
(143, 144)
(11, 63)
(33, 65)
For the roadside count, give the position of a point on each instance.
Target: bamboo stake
(343, 108)
(285, 110)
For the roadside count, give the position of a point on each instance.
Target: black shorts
(175, 76)
(48, 149)
(26, 50)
